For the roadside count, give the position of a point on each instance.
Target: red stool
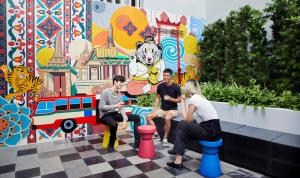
(146, 147)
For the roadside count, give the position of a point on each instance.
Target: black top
(173, 91)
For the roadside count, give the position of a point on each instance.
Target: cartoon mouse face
(148, 53)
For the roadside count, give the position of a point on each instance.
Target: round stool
(210, 163)
(146, 147)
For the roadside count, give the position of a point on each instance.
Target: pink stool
(146, 147)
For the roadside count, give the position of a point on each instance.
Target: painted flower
(130, 28)
(17, 11)
(18, 28)
(77, 5)
(77, 19)
(19, 44)
(14, 123)
(147, 32)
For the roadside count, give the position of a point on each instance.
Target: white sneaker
(165, 142)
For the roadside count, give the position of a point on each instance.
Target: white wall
(210, 10)
(195, 8)
(216, 9)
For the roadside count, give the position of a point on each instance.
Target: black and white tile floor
(85, 157)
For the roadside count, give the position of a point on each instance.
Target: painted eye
(152, 50)
(145, 50)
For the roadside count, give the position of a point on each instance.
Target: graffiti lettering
(173, 32)
(106, 52)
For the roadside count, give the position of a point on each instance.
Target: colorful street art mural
(57, 56)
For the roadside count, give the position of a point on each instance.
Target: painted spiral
(197, 27)
(169, 53)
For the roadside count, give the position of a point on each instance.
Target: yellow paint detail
(191, 45)
(183, 31)
(121, 18)
(44, 55)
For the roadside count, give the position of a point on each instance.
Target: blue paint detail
(45, 107)
(75, 101)
(88, 113)
(142, 112)
(87, 100)
(61, 102)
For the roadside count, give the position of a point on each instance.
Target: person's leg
(181, 139)
(180, 144)
(150, 118)
(153, 115)
(108, 119)
(137, 122)
(169, 116)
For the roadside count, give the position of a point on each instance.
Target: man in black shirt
(169, 94)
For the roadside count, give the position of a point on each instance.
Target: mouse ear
(159, 46)
(138, 44)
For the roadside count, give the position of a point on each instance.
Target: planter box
(277, 119)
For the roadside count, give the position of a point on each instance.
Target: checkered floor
(85, 157)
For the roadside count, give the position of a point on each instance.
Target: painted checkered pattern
(85, 157)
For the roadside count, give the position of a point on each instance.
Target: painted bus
(65, 112)
(68, 111)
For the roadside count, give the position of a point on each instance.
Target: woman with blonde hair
(200, 121)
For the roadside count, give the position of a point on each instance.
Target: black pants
(208, 130)
(111, 120)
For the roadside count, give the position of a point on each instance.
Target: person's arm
(157, 100)
(105, 107)
(187, 113)
(125, 118)
(177, 99)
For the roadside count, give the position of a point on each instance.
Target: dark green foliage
(251, 95)
(213, 52)
(146, 100)
(236, 49)
(285, 45)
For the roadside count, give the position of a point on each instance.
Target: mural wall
(53, 52)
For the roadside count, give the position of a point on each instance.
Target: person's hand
(167, 97)
(183, 98)
(120, 104)
(154, 109)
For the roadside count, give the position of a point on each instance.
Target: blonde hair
(192, 87)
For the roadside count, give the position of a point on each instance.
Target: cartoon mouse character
(146, 67)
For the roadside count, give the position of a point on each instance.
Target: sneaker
(111, 149)
(156, 137)
(172, 152)
(176, 166)
(165, 142)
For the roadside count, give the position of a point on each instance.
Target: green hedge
(251, 95)
(234, 94)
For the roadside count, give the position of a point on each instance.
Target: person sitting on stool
(111, 111)
(169, 94)
(199, 109)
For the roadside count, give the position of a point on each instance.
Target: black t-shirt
(173, 91)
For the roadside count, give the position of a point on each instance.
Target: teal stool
(210, 163)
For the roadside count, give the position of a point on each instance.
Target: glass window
(61, 104)
(45, 107)
(75, 103)
(86, 102)
(133, 3)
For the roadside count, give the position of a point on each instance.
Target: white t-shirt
(204, 109)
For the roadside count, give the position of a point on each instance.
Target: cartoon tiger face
(148, 52)
(21, 72)
(21, 81)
